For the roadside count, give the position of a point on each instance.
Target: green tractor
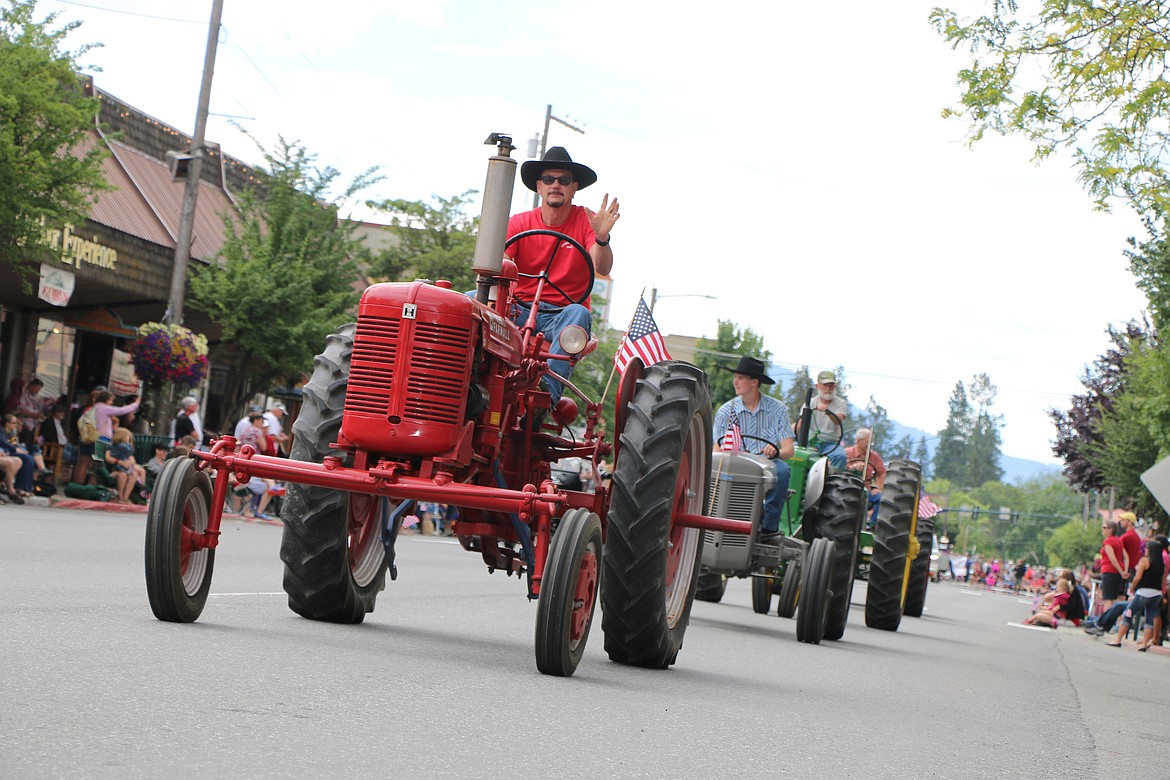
(823, 504)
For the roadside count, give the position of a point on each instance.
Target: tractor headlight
(573, 339)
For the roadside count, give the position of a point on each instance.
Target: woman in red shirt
(1114, 562)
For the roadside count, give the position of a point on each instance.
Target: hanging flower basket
(169, 353)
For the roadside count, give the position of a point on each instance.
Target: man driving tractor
(556, 179)
(757, 423)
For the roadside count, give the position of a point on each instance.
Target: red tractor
(435, 396)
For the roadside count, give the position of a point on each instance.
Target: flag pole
(613, 365)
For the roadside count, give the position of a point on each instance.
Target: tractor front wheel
(568, 593)
(651, 565)
(789, 591)
(334, 561)
(815, 591)
(762, 588)
(178, 573)
(711, 587)
(840, 515)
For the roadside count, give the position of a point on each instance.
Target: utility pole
(548, 117)
(174, 314)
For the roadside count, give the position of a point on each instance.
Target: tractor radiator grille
(740, 502)
(372, 368)
(436, 375)
(437, 383)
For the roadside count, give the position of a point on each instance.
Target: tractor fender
(814, 485)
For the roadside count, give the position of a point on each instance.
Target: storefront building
(69, 318)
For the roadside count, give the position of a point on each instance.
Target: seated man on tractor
(556, 179)
(828, 417)
(866, 461)
(757, 423)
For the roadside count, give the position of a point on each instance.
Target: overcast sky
(787, 158)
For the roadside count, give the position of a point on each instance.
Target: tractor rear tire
(711, 587)
(763, 587)
(178, 576)
(920, 570)
(568, 593)
(840, 516)
(888, 569)
(789, 591)
(815, 591)
(334, 561)
(651, 565)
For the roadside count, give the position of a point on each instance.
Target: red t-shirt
(569, 271)
(1133, 546)
(1107, 566)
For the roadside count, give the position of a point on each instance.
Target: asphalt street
(440, 681)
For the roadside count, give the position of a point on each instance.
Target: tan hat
(826, 378)
(1130, 516)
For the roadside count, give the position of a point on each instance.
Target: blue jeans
(875, 501)
(550, 321)
(834, 452)
(774, 501)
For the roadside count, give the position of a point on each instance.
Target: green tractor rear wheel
(889, 565)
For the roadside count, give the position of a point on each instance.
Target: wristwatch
(603, 243)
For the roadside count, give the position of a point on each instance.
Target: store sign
(56, 285)
(76, 250)
(123, 380)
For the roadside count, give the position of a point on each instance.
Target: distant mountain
(1015, 470)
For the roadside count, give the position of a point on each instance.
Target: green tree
(47, 175)
(983, 439)
(795, 396)
(899, 449)
(877, 419)
(968, 450)
(921, 456)
(1087, 76)
(1072, 544)
(724, 351)
(437, 242)
(1133, 432)
(285, 279)
(949, 463)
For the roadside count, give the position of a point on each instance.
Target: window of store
(54, 356)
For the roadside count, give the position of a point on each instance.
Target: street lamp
(654, 296)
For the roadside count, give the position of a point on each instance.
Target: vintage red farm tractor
(435, 396)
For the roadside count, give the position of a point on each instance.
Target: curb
(64, 502)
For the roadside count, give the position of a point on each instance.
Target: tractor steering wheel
(816, 437)
(548, 266)
(765, 441)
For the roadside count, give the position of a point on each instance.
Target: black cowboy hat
(753, 367)
(556, 157)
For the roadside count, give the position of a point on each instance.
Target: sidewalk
(61, 501)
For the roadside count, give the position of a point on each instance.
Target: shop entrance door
(95, 352)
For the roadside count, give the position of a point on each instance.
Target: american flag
(642, 340)
(733, 439)
(926, 507)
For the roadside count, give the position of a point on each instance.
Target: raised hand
(604, 218)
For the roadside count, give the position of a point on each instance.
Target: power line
(130, 13)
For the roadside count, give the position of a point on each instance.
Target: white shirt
(274, 426)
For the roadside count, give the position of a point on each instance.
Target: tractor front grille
(375, 349)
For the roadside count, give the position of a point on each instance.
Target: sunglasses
(564, 181)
